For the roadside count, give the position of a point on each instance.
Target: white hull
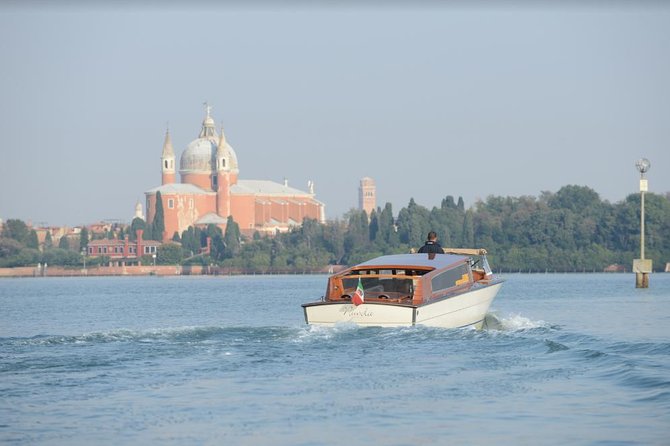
(457, 311)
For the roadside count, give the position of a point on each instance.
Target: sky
(469, 99)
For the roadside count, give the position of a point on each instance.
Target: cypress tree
(158, 225)
(374, 226)
(188, 241)
(63, 243)
(468, 234)
(83, 239)
(231, 238)
(32, 241)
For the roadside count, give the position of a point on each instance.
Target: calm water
(579, 359)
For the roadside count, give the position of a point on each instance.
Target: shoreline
(198, 270)
(144, 270)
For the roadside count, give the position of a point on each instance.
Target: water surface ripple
(576, 359)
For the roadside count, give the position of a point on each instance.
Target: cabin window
(451, 278)
(376, 286)
(170, 203)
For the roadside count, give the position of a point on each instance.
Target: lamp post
(642, 267)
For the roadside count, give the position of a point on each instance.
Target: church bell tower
(367, 195)
(168, 161)
(222, 178)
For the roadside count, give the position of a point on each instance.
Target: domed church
(210, 191)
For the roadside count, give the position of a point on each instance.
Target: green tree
(136, 224)
(468, 232)
(25, 257)
(158, 225)
(83, 239)
(61, 257)
(169, 254)
(413, 224)
(64, 243)
(16, 230)
(215, 235)
(48, 240)
(9, 247)
(387, 229)
(333, 241)
(231, 238)
(373, 226)
(32, 241)
(357, 235)
(189, 242)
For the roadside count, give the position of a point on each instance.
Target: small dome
(208, 122)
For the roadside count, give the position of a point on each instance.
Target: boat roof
(436, 261)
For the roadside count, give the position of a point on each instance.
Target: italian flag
(359, 296)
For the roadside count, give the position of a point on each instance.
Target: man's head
(432, 236)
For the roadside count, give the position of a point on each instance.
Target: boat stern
(366, 314)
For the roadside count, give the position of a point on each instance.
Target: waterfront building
(367, 195)
(123, 252)
(210, 190)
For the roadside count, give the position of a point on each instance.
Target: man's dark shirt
(433, 247)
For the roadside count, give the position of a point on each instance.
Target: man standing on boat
(431, 245)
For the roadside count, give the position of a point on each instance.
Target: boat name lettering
(353, 311)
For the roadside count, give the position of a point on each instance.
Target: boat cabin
(411, 279)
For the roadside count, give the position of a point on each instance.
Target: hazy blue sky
(429, 101)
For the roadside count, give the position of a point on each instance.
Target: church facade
(210, 191)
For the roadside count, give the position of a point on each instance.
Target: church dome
(200, 155)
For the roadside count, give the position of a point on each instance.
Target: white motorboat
(449, 290)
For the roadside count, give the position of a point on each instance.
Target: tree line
(569, 230)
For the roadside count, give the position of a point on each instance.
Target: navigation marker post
(642, 267)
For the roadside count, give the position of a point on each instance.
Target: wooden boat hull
(460, 310)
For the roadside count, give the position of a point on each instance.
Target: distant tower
(168, 161)
(223, 180)
(367, 195)
(138, 210)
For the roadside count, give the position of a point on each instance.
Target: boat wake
(512, 322)
(301, 333)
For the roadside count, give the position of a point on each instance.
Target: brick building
(123, 252)
(210, 191)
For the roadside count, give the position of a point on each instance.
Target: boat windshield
(383, 287)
